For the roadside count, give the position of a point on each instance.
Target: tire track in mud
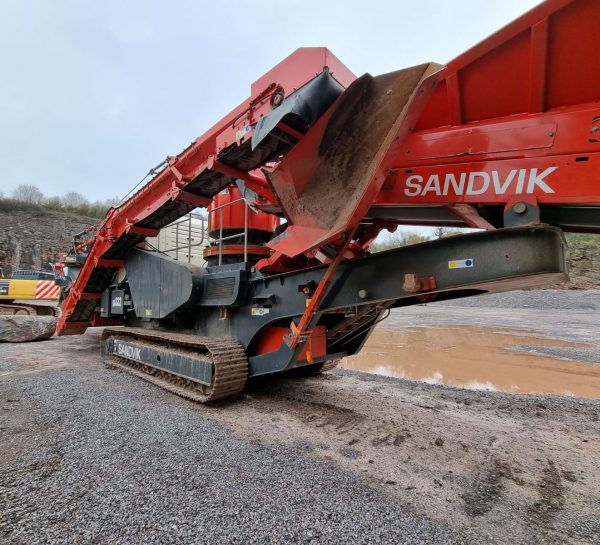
(472, 460)
(342, 424)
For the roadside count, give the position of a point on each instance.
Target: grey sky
(94, 93)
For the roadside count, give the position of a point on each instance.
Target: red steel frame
(515, 118)
(169, 185)
(528, 97)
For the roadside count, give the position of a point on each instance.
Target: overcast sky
(95, 92)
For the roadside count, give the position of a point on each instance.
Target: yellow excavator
(22, 292)
(28, 309)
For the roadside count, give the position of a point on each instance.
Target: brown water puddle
(477, 358)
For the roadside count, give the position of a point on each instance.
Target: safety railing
(219, 241)
(189, 232)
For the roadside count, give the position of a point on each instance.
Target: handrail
(178, 224)
(221, 238)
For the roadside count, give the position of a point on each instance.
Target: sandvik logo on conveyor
(518, 181)
(128, 351)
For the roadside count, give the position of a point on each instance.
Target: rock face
(32, 239)
(19, 329)
(584, 262)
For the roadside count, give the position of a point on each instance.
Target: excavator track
(19, 309)
(228, 359)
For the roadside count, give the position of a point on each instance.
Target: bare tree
(53, 203)
(28, 193)
(440, 232)
(444, 232)
(112, 202)
(73, 199)
(398, 239)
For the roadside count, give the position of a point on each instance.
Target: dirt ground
(500, 467)
(510, 466)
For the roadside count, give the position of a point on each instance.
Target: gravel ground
(93, 455)
(105, 458)
(535, 299)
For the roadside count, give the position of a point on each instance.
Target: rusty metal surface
(324, 183)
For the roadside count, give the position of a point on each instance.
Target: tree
(53, 203)
(73, 200)
(397, 239)
(440, 232)
(443, 232)
(28, 193)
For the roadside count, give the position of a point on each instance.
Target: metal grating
(219, 288)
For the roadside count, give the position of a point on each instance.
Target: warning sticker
(259, 311)
(460, 264)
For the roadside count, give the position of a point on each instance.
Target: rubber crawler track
(330, 365)
(227, 355)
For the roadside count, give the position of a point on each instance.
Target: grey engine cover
(159, 285)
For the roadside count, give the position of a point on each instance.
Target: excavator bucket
(327, 182)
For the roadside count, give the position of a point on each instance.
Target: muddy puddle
(477, 357)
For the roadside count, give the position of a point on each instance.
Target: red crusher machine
(302, 177)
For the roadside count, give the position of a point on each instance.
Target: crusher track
(230, 366)
(329, 365)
